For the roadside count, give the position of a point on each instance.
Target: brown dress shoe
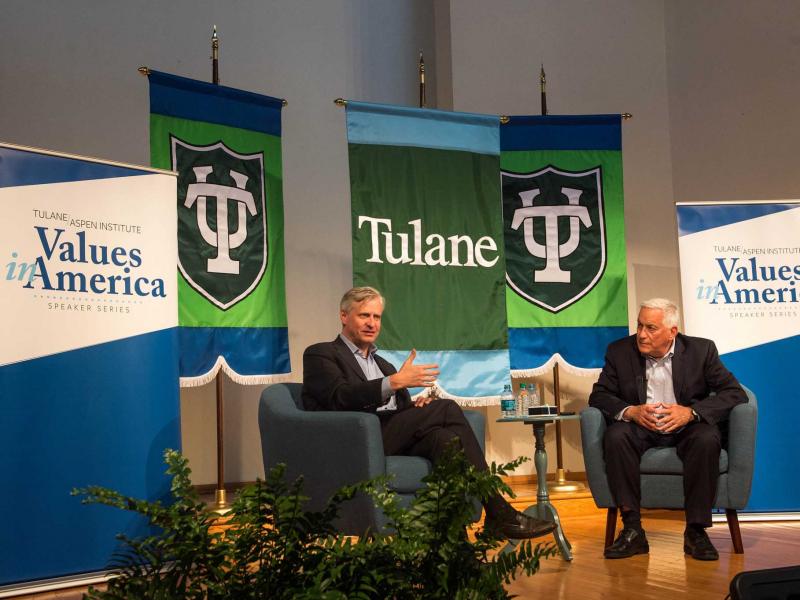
(517, 526)
(629, 543)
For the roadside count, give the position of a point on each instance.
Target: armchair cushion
(665, 461)
(407, 472)
(662, 470)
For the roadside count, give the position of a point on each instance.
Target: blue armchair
(662, 470)
(335, 448)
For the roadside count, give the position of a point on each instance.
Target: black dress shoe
(628, 543)
(697, 544)
(517, 526)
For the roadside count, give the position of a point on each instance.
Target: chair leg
(736, 534)
(611, 525)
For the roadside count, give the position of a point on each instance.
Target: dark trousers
(426, 431)
(698, 446)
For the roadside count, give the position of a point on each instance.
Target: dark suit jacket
(333, 380)
(697, 371)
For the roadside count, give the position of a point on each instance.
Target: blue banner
(740, 270)
(89, 364)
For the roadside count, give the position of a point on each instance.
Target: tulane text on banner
(225, 145)
(427, 232)
(564, 240)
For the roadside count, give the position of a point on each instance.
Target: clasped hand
(411, 375)
(664, 418)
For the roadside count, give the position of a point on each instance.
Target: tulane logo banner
(225, 145)
(740, 278)
(428, 233)
(564, 240)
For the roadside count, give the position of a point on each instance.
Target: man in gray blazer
(662, 388)
(347, 374)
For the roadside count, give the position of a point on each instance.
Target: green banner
(225, 145)
(427, 232)
(564, 239)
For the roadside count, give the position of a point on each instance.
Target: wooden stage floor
(666, 573)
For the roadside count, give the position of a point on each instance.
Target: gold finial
(145, 71)
(504, 119)
(340, 102)
(627, 116)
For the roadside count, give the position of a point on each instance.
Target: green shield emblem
(222, 229)
(554, 234)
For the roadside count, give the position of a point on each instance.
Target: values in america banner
(740, 276)
(88, 362)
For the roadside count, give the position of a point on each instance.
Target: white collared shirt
(372, 371)
(658, 372)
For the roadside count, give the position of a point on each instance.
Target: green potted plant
(271, 547)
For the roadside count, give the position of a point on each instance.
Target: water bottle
(507, 408)
(535, 398)
(523, 400)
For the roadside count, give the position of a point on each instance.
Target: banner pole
(560, 484)
(422, 102)
(220, 495)
(214, 57)
(543, 90)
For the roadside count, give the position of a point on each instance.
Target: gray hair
(668, 307)
(357, 295)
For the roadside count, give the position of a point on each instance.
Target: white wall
(734, 81)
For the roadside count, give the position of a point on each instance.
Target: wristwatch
(695, 416)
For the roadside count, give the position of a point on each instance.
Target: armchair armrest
(593, 428)
(329, 449)
(477, 421)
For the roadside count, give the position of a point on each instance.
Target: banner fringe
(461, 400)
(199, 380)
(258, 379)
(547, 368)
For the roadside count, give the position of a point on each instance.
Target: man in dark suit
(347, 374)
(662, 388)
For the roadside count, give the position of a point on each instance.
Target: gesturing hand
(411, 375)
